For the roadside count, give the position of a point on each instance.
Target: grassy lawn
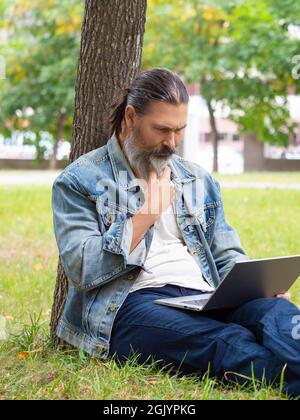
(268, 223)
(253, 176)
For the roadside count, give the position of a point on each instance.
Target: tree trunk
(59, 133)
(214, 135)
(109, 59)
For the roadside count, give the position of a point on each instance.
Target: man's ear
(130, 116)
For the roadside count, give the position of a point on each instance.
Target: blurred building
(235, 153)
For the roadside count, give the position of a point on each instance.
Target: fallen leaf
(22, 355)
(38, 267)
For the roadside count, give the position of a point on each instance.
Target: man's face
(153, 138)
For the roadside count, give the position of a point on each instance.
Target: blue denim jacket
(93, 202)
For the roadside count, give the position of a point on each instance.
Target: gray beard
(140, 162)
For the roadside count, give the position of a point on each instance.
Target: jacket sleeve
(89, 258)
(226, 247)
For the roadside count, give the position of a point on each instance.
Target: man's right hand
(159, 193)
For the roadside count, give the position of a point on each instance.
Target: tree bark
(109, 59)
(59, 133)
(214, 135)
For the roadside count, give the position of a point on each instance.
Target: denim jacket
(93, 202)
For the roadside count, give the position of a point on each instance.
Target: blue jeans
(254, 340)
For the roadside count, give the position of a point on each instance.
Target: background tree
(110, 58)
(239, 51)
(41, 52)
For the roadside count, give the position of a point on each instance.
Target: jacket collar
(120, 165)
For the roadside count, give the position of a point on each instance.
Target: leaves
(240, 51)
(41, 57)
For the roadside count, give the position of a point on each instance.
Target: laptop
(245, 281)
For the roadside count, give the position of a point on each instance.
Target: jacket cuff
(118, 238)
(138, 255)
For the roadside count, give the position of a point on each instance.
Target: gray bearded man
(127, 241)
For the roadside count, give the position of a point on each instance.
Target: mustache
(163, 151)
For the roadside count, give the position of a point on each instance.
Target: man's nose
(170, 142)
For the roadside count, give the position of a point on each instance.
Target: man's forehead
(168, 125)
(168, 115)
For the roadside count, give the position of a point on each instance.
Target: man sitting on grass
(135, 222)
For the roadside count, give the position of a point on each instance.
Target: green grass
(253, 176)
(268, 223)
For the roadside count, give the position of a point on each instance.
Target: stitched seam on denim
(77, 183)
(241, 349)
(96, 161)
(111, 204)
(103, 278)
(113, 164)
(66, 326)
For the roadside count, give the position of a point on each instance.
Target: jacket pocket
(206, 217)
(109, 214)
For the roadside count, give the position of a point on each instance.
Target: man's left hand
(285, 295)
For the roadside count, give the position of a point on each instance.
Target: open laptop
(246, 280)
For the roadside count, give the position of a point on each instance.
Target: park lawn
(261, 177)
(268, 222)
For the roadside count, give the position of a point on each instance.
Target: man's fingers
(167, 172)
(284, 295)
(152, 174)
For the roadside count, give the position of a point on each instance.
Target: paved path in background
(30, 177)
(47, 178)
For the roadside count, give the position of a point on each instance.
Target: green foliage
(41, 58)
(30, 337)
(240, 51)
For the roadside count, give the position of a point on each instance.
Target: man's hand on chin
(285, 295)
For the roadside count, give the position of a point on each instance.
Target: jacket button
(130, 277)
(100, 349)
(112, 307)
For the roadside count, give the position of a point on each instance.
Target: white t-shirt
(168, 259)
